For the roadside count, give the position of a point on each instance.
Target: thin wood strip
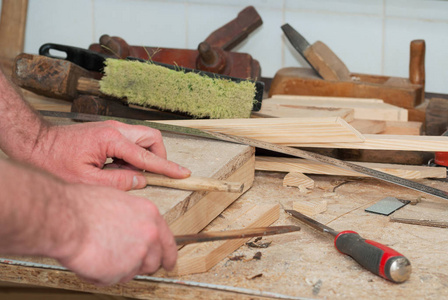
(369, 109)
(388, 142)
(280, 130)
(284, 164)
(298, 179)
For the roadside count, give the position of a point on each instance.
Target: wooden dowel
(193, 183)
(233, 234)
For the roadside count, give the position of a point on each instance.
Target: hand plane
(329, 76)
(212, 55)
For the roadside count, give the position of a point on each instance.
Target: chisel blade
(233, 234)
(311, 222)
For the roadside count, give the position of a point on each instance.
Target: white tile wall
(370, 36)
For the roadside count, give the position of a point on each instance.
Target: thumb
(120, 179)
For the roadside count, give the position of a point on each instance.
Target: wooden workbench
(303, 264)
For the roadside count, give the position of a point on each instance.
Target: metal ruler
(263, 145)
(204, 285)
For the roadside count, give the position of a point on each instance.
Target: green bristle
(146, 84)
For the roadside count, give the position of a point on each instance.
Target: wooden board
(280, 130)
(389, 142)
(424, 213)
(368, 126)
(284, 164)
(271, 109)
(367, 109)
(184, 210)
(296, 265)
(198, 258)
(12, 31)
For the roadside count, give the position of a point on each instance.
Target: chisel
(375, 257)
(324, 61)
(233, 234)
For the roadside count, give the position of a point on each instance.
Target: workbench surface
(301, 264)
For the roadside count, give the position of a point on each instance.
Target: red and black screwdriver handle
(375, 257)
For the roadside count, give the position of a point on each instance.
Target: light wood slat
(298, 179)
(368, 109)
(280, 130)
(284, 164)
(388, 142)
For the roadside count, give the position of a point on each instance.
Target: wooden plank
(388, 142)
(212, 204)
(284, 164)
(297, 179)
(424, 213)
(366, 109)
(368, 126)
(403, 128)
(387, 127)
(184, 210)
(12, 31)
(310, 207)
(272, 109)
(280, 130)
(137, 289)
(199, 258)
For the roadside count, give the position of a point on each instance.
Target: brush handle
(50, 77)
(194, 183)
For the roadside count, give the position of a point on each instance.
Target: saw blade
(263, 145)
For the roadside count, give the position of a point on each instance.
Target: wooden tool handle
(194, 183)
(56, 78)
(326, 62)
(235, 31)
(417, 62)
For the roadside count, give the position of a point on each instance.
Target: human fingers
(145, 137)
(122, 179)
(169, 247)
(145, 160)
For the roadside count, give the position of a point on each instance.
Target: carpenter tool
(233, 234)
(332, 78)
(324, 61)
(198, 93)
(263, 145)
(212, 55)
(194, 183)
(375, 257)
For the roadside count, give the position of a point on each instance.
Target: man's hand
(104, 235)
(119, 236)
(78, 153)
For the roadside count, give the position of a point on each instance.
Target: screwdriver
(375, 257)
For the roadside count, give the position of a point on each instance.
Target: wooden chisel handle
(56, 78)
(194, 183)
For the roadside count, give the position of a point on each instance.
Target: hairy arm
(20, 126)
(78, 153)
(104, 235)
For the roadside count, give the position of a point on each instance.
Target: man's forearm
(34, 218)
(20, 126)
